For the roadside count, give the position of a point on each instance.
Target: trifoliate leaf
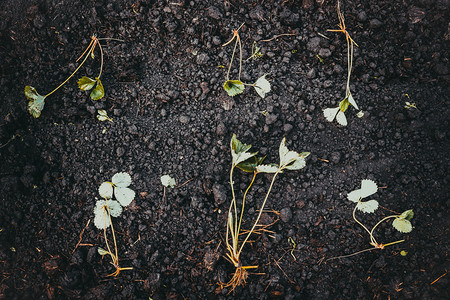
(98, 92)
(102, 251)
(267, 168)
(250, 164)
(233, 87)
(402, 225)
(124, 195)
(330, 113)
(106, 190)
(85, 83)
(168, 181)
(115, 209)
(368, 188)
(121, 179)
(407, 215)
(103, 115)
(36, 103)
(262, 86)
(352, 101)
(367, 206)
(341, 119)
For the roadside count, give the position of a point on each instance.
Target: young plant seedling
(167, 181)
(401, 222)
(235, 87)
(36, 101)
(105, 209)
(338, 113)
(103, 116)
(249, 162)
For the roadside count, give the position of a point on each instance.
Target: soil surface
(164, 91)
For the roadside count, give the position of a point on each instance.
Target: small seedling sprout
(249, 162)
(105, 209)
(338, 112)
(401, 222)
(235, 86)
(36, 101)
(103, 116)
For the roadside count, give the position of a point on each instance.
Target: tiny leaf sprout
(103, 116)
(409, 105)
(250, 162)
(36, 101)
(338, 113)
(235, 87)
(401, 222)
(105, 209)
(168, 181)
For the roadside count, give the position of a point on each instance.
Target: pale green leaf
(115, 209)
(102, 251)
(402, 225)
(367, 206)
(343, 105)
(262, 86)
(168, 181)
(267, 168)
(407, 215)
(106, 190)
(121, 179)
(101, 216)
(330, 113)
(298, 164)
(368, 188)
(124, 195)
(352, 101)
(85, 83)
(233, 87)
(341, 119)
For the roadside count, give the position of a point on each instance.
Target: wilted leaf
(98, 92)
(86, 83)
(237, 146)
(103, 116)
(407, 215)
(36, 103)
(233, 87)
(250, 164)
(352, 101)
(343, 105)
(262, 86)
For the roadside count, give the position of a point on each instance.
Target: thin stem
(353, 254)
(357, 221)
(371, 232)
(349, 64)
(240, 58)
(393, 243)
(260, 210)
(76, 70)
(230, 222)
(243, 202)
(101, 59)
(110, 39)
(232, 58)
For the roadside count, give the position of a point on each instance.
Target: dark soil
(171, 116)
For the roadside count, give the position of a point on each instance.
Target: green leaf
(98, 92)
(251, 164)
(272, 168)
(407, 215)
(168, 181)
(86, 83)
(402, 225)
(343, 105)
(102, 251)
(233, 87)
(237, 146)
(36, 103)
